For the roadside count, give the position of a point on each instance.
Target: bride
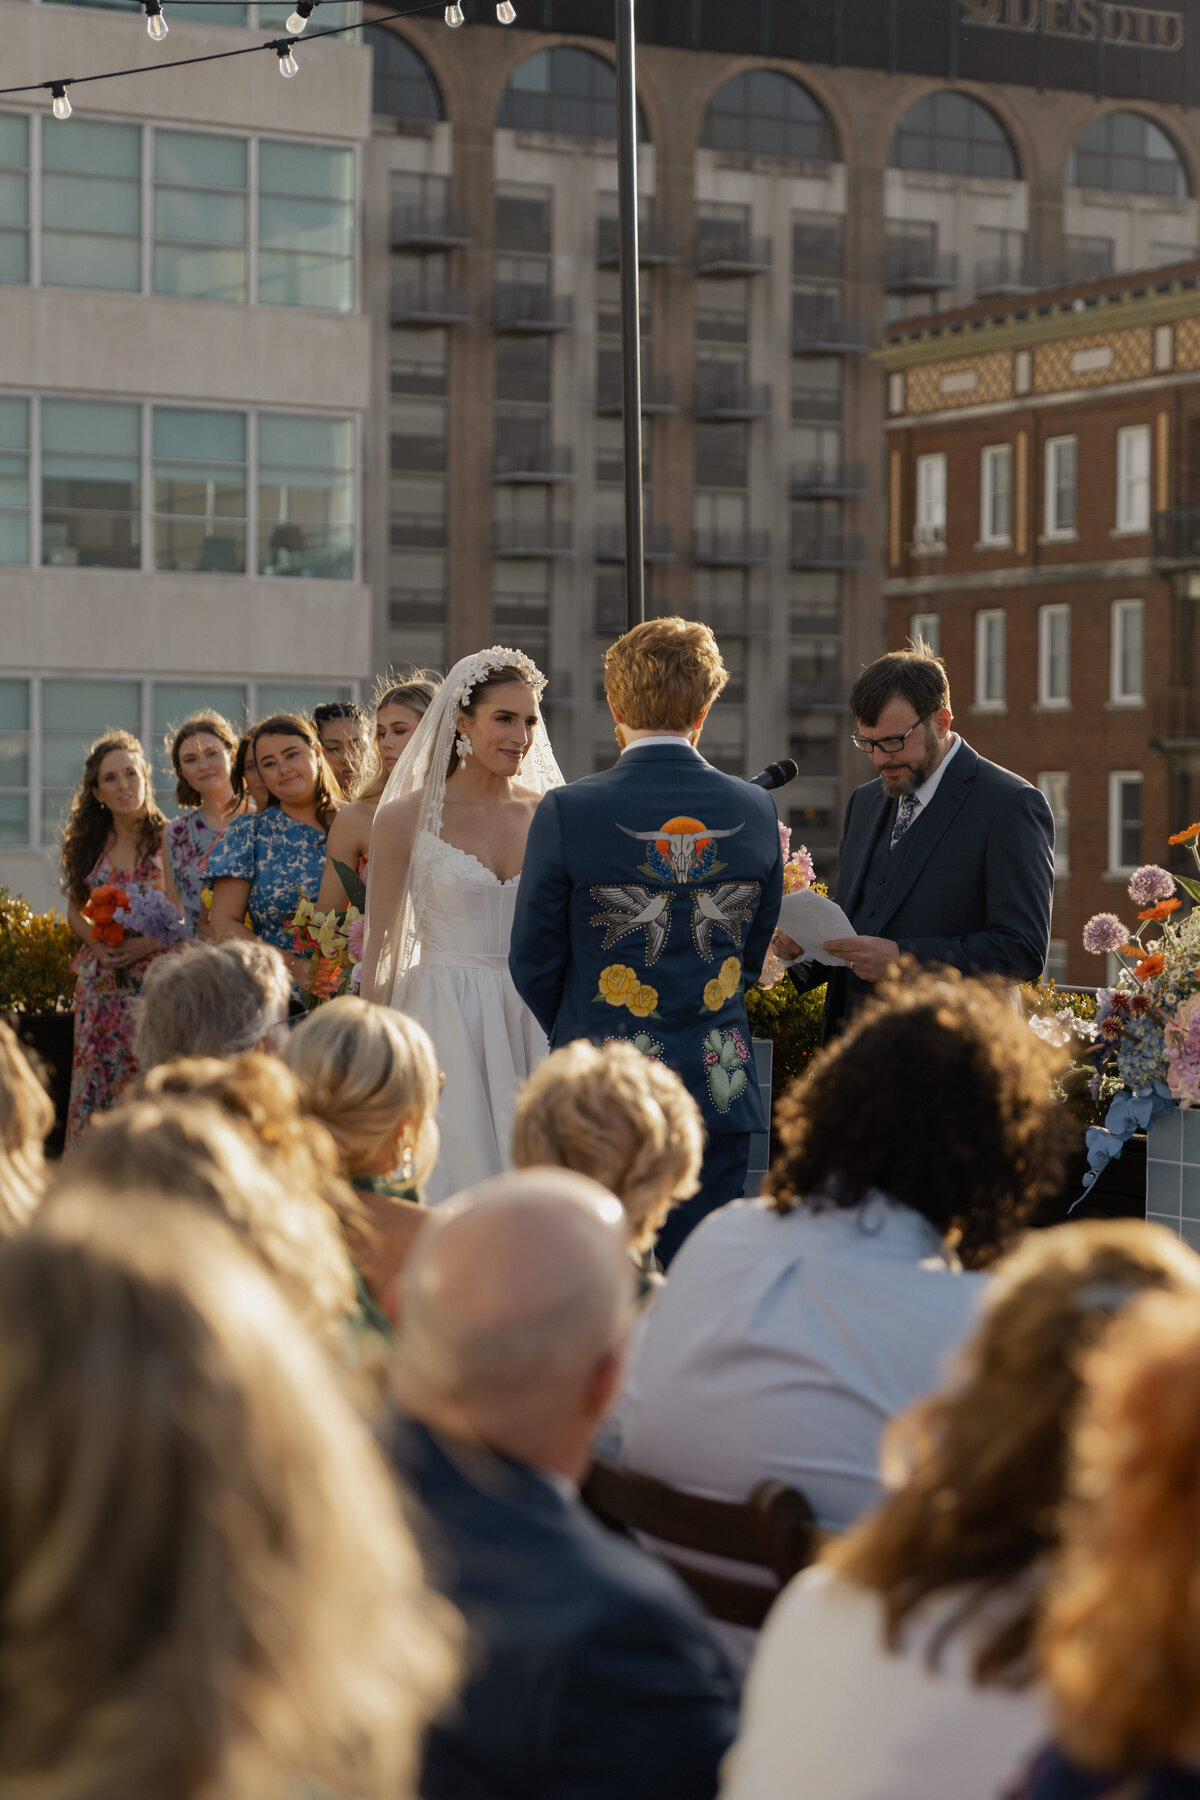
(446, 851)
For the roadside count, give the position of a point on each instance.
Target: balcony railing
(522, 308)
(819, 326)
(536, 538)
(1177, 535)
(657, 248)
(420, 229)
(658, 542)
(824, 693)
(414, 303)
(999, 277)
(829, 550)
(828, 480)
(719, 397)
(720, 471)
(415, 454)
(716, 253)
(416, 531)
(1175, 713)
(658, 394)
(915, 269)
(730, 549)
(737, 618)
(533, 463)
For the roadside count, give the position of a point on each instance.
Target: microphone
(776, 774)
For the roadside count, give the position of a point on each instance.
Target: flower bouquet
(333, 940)
(798, 873)
(116, 912)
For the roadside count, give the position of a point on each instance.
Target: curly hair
(216, 725)
(26, 1116)
(1121, 1641)
(664, 674)
(624, 1119)
(328, 796)
(978, 1468)
(938, 1095)
(89, 823)
(210, 1586)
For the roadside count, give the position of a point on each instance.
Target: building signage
(1140, 27)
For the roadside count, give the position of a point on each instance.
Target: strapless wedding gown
(486, 1038)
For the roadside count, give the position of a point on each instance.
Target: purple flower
(1104, 932)
(151, 915)
(1150, 884)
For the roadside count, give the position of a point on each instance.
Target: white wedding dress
(460, 990)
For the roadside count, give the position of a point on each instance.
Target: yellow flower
(714, 996)
(642, 1003)
(730, 976)
(617, 983)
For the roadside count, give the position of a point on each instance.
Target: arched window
(400, 80)
(765, 113)
(568, 91)
(954, 135)
(1125, 154)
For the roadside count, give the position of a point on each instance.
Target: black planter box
(51, 1038)
(1118, 1193)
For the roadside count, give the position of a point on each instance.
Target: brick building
(1043, 531)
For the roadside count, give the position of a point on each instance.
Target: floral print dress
(103, 1064)
(188, 841)
(281, 858)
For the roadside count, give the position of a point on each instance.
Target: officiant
(945, 857)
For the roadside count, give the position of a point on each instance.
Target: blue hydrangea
(1141, 1062)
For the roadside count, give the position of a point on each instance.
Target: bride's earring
(463, 746)
(408, 1166)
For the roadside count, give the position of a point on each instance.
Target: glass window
(1054, 655)
(198, 490)
(996, 494)
(1128, 670)
(401, 84)
(766, 113)
(926, 628)
(816, 388)
(91, 484)
(74, 714)
(565, 90)
(931, 500)
(1123, 153)
(1060, 487)
(14, 197)
(14, 481)
(92, 206)
(172, 703)
(1124, 820)
(298, 696)
(1057, 788)
(305, 496)
(989, 658)
(955, 135)
(305, 226)
(201, 213)
(1133, 478)
(14, 762)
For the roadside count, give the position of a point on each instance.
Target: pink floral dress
(103, 1064)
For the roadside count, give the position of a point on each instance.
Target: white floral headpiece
(487, 662)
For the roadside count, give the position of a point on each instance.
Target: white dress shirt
(829, 1710)
(674, 738)
(924, 794)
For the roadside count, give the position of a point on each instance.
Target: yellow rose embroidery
(643, 1002)
(730, 976)
(714, 996)
(617, 983)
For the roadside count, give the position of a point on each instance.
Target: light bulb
(506, 12)
(288, 66)
(454, 15)
(156, 26)
(60, 106)
(299, 19)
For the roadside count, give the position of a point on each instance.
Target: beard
(907, 781)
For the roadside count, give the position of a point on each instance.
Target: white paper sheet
(811, 920)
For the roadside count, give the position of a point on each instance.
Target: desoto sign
(1138, 26)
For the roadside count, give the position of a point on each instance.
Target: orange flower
(1185, 837)
(1162, 910)
(1149, 965)
(1129, 950)
(327, 978)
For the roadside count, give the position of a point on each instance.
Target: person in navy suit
(590, 1671)
(946, 858)
(648, 897)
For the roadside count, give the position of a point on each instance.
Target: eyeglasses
(891, 746)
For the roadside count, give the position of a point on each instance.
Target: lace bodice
(464, 911)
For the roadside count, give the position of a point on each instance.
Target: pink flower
(354, 939)
(1103, 933)
(1150, 884)
(1181, 1045)
(785, 839)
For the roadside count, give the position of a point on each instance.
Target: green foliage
(793, 1023)
(1075, 1089)
(36, 950)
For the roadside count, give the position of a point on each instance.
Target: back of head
(363, 1070)
(210, 1000)
(915, 675)
(664, 674)
(513, 1295)
(934, 1059)
(26, 1117)
(624, 1119)
(208, 1587)
(978, 1469)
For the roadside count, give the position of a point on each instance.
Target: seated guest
(26, 1119)
(624, 1119)
(1121, 1643)
(209, 1586)
(594, 1674)
(793, 1328)
(347, 737)
(212, 1000)
(370, 1076)
(934, 1599)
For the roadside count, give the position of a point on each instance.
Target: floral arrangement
(116, 912)
(36, 952)
(334, 942)
(798, 872)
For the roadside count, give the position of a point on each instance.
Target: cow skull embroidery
(681, 850)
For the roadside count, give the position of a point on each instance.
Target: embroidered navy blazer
(646, 907)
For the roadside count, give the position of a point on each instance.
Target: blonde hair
(361, 1070)
(210, 1588)
(979, 1466)
(664, 674)
(623, 1118)
(209, 1000)
(26, 1116)
(1121, 1643)
(195, 1152)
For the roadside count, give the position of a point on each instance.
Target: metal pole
(631, 320)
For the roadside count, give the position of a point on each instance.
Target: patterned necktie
(906, 812)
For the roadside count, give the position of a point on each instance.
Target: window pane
(199, 491)
(306, 226)
(199, 159)
(298, 696)
(14, 481)
(14, 762)
(316, 171)
(74, 714)
(306, 496)
(91, 206)
(91, 484)
(173, 703)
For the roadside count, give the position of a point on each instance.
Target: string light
(454, 16)
(60, 106)
(156, 24)
(296, 21)
(288, 66)
(506, 12)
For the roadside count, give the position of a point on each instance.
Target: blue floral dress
(188, 841)
(282, 860)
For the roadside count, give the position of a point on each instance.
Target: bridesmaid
(247, 784)
(398, 712)
(202, 752)
(114, 834)
(266, 861)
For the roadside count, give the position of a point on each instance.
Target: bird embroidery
(729, 906)
(633, 908)
(681, 850)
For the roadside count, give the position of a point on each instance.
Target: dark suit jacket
(975, 888)
(620, 876)
(592, 1673)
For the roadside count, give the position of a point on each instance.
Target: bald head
(514, 1295)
